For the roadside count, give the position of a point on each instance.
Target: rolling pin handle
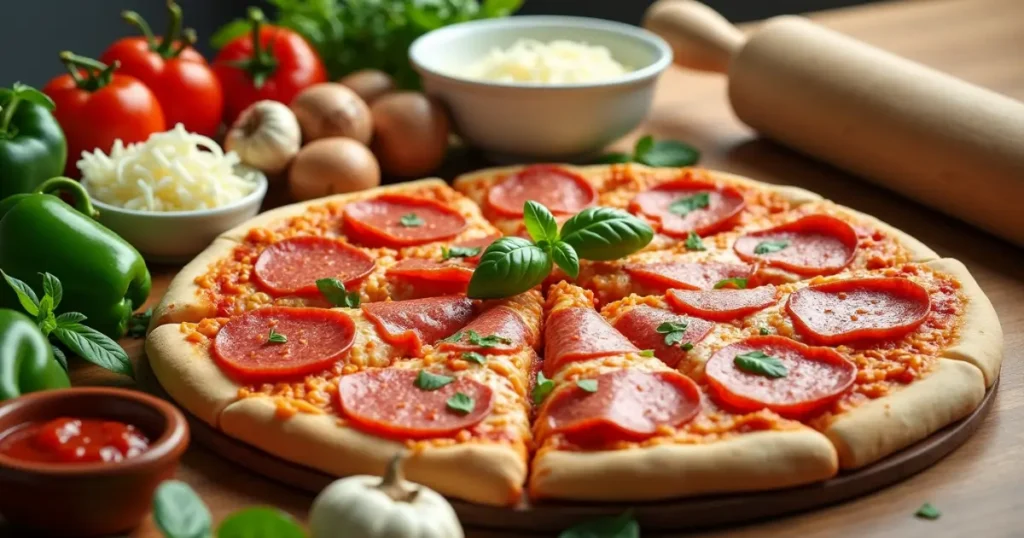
(700, 38)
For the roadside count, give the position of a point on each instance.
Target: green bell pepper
(104, 277)
(26, 359)
(32, 144)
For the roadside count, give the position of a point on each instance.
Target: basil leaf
(70, 317)
(461, 403)
(565, 257)
(669, 153)
(687, 346)
(605, 233)
(411, 220)
(459, 252)
(229, 31)
(763, 331)
(647, 353)
(334, 291)
(453, 338)
(621, 526)
(686, 205)
(473, 356)
(509, 266)
(26, 296)
(59, 356)
(490, 340)
(138, 324)
(260, 522)
(672, 326)
(589, 385)
(53, 288)
(694, 242)
(644, 145)
(767, 247)
(179, 512)
(500, 8)
(928, 511)
(738, 283)
(540, 223)
(94, 347)
(428, 381)
(276, 338)
(613, 158)
(45, 309)
(543, 387)
(757, 362)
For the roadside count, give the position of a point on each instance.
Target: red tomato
(96, 106)
(186, 87)
(278, 67)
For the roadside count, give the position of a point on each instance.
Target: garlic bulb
(265, 136)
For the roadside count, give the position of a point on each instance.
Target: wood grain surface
(978, 487)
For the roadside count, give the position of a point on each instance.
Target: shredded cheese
(171, 171)
(557, 62)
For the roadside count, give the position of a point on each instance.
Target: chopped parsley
(473, 356)
(673, 331)
(543, 387)
(738, 283)
(411, 220)
(647, 353)
(461, 403)
(767, 247)
(428, 381)
(757, 362)
(684, 206)
(589, 385)
(694, 242)
(459, 252)
(276, 337)
(764, 331)
(490, 340)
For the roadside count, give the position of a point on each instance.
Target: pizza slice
(890, 355)
(343, 390)
(354, 239)
(615, 423)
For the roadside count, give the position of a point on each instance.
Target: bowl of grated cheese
(173, 194)
(542, 88)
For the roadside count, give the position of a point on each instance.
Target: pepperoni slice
(429, 272)
(721, 305)
(304, 341)
(478, 242)
(628, 405)
(397, 220)
(559, 190)
(576, 334)
(812, 245)
(640, 326)
(686, 275)
(685, 206)
(814, 376)
(414, 323)
(388, 403)
(499, 330)
(292, 266)
(862, 309)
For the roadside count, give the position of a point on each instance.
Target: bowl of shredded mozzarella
(173, 194)
(542, 88)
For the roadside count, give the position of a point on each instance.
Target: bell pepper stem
(137, 21)
(73, 188)
(173, 30)
(7, 113)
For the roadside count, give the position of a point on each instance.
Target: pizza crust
(188, 375)
(880, 427)
(182, 300)
(746, 462)
(490, 474)
(981, 336)
(919, 252)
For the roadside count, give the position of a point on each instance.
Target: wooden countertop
(977, 488)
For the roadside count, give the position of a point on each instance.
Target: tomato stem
(137, 21)
(173, 30)
(188, 38)
(262, 64)
(99, 73)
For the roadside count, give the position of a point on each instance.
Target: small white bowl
(537, 121)
(177, 236)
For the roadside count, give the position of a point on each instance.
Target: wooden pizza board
(675, 515)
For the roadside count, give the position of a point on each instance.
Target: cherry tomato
(96, 106)
(269, 63)
(178, 75)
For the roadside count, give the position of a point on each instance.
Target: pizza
(764, 338)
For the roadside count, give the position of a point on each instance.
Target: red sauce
(74, 440)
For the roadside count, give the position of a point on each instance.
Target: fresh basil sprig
(605, 233)
(67, 328)
(509, 266)
(621, 526)
(655, 153)
(334, 291)
(180, 513)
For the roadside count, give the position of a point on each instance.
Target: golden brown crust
(919, 252)
(746, 462)
(483, 473)
(182, 300)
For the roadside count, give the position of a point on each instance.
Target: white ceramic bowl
(177, 236)
(533, 121)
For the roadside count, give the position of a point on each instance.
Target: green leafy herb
(767, 247)
(543, 387)
(47, 322)
(276, 338)
(757, 362)
(461, 403)
(694, 242)
(621, 526)
(260, 522)
(453, 338)
(673, 331)
(738, 282)
(53, 288)
(614, 158)
(179, 512)
(686, 205)
(334, 291)
(605, 233)
(565, 257)
(687, 346)
(539, 222)
(490, 340)
(647, 353)
(428, 381)
(928, 511)
(589, 385)
(459, 252)
(664, 153)
(26, 296)
(509, 266)
(763, 331)
(59, 356)
(473, 356)
(411, 220)
(138, 324)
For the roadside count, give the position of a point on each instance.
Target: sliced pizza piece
(651, 431)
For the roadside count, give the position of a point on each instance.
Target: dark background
(34, 31)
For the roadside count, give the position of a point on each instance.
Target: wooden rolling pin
(951, 145)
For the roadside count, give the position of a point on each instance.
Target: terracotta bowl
(89, 499)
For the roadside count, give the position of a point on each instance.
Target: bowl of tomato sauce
(85, 461)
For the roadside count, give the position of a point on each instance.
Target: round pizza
(758, 337)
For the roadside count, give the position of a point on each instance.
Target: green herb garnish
(543, 387)
(738, 283)
(655, 153)
(605, 233)
(490, 340)
(928, 511)
(428, 381)
(693, 242)
(763, 331)
(276, 338)
(647, 353)
(685, 206)
(673, 331)
(687, 346)
(757, 362)
(461, 403)
(334, 291)
(589, 385)
(459, 252)
(621, 526)
(411, 220)
(767, 247)
(473, 356)
(453, 338)
(138, 324)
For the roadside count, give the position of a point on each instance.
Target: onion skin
(369, 84)
(332, 166)
(331, 110)
(410, 133)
